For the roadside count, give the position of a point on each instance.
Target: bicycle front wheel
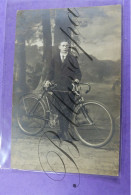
(94, 124)
(31, 114)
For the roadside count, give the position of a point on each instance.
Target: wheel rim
(30, 124)
(100, 132)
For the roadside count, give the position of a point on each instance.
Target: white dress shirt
(63, 56)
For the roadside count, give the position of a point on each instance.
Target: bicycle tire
(28, 124)
(100, 132)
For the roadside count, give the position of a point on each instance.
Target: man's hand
(76, 81)
(47, 84)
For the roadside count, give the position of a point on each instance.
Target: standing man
(63, 70)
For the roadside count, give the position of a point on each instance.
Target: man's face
(64, 46)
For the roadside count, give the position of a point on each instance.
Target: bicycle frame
(48, 111)
(48, 107)
(33, 109)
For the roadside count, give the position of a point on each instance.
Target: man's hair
(64, 41)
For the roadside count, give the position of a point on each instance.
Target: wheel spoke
(31, 122)
(100, 132)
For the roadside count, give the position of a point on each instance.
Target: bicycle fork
(87, 116)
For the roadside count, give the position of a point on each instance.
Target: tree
(21, 56)
(61, 22)
(28, 31)
(47, 40)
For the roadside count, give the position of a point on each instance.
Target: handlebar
(52, 85)
(75, 87)
(87, 91)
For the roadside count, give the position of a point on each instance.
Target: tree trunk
(61, 22)
(47, 39)
(21, 55)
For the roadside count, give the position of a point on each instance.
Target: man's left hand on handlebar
(75, 84)
(76, 81)
(47, 84)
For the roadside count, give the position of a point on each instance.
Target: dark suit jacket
(63, 73)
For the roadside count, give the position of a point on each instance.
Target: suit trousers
(64, 104)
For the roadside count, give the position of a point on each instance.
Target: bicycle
(91, 123)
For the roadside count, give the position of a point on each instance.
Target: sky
(100, 31)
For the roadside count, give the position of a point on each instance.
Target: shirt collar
(65, 54)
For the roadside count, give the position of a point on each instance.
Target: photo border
(89, 184)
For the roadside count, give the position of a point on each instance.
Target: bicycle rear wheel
(99, 130)
(31, 114)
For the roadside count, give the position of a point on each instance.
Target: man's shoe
(67, 138)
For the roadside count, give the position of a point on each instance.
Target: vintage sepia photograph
(67, 91)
